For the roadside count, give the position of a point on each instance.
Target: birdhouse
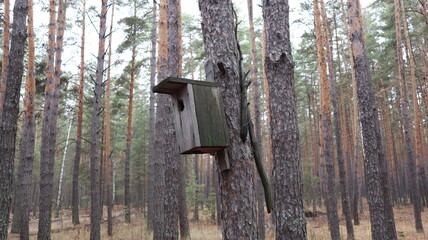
(198, 113)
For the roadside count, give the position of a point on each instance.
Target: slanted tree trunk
(5, 58)
(108, 151)
(331, 202)
(50, 117)
(76, 164)
(20, 223)
(162, 122)
(413, 177)
(238, 214)
(152, 117)
(279, 67)
(61, 175)
(95, 127)
(381, 215)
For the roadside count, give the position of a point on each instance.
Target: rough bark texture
(337, 126)
(108, 151)
(152, 130)
(331, 202)
(48, 133)
(10, 111)
(278, 63)
(162, 122)
(238, 214)
(413, 177)
(76, 164)
(381, 215)
(95, 127)
(6, 46)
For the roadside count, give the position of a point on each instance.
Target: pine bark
(152, 117)
(76, 164)
(10, 110)
(279, 67)
(381, 215)
(331, 202)
(6, 46)
(95, 127)
(108, 151)
(238, 215)
(413, 176)
(50, 117)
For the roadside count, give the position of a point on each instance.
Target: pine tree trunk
(331, 202)
(196, 171)
(238, 215)
(50, 117)
(279, 67)
(108, 151)
(76, 165)
(415, 193)
(20, 223)
(5, 58)
(381, 215)
(95, 127)
(152, 117)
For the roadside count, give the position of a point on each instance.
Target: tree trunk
(108, 151)
(50, 117)
(152, 117)
(20, 223)
(196, 171)
(95, 127)
(406, 127)
(76, 165)
(5, 58)
(238, 215)
(61, 175)
(381, 215)
(331, 202)
(279, 67)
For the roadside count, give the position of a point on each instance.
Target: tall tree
(152, 117)
(9, 114)
(6, 46)
(50, 116)
(237, 214)
(95, 126)
(413, 177)
(279, 67)
(331, 202)
(76, 164)
(381, 215)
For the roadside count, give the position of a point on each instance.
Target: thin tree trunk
(95, 127)
(381, 215)
(238, 215)
(289, 216)
(108, 151)
(76, 165)
(331, 201)
(5, 58)
(406, 124)
(50, 118)
(196, 171)
(152, 117)
(61, 175)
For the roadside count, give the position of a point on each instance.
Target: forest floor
(317, 227)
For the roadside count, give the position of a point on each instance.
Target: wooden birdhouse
(199, 116)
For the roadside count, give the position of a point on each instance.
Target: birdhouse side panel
(185, 121)
(210, 116)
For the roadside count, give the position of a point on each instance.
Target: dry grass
(317, 228)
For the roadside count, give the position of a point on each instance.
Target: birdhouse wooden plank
(198, 113)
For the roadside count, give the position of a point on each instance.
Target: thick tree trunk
(108, 151)
(21, 217)
(5, 58)
(279, 67)
(331, 202)
(238, 215)
(50, 117)
(415, 193)
(76, 165)
(381, 215)
(152, 117)
(196, 171)
(95, 127)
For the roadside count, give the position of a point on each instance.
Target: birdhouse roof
(172, 84)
